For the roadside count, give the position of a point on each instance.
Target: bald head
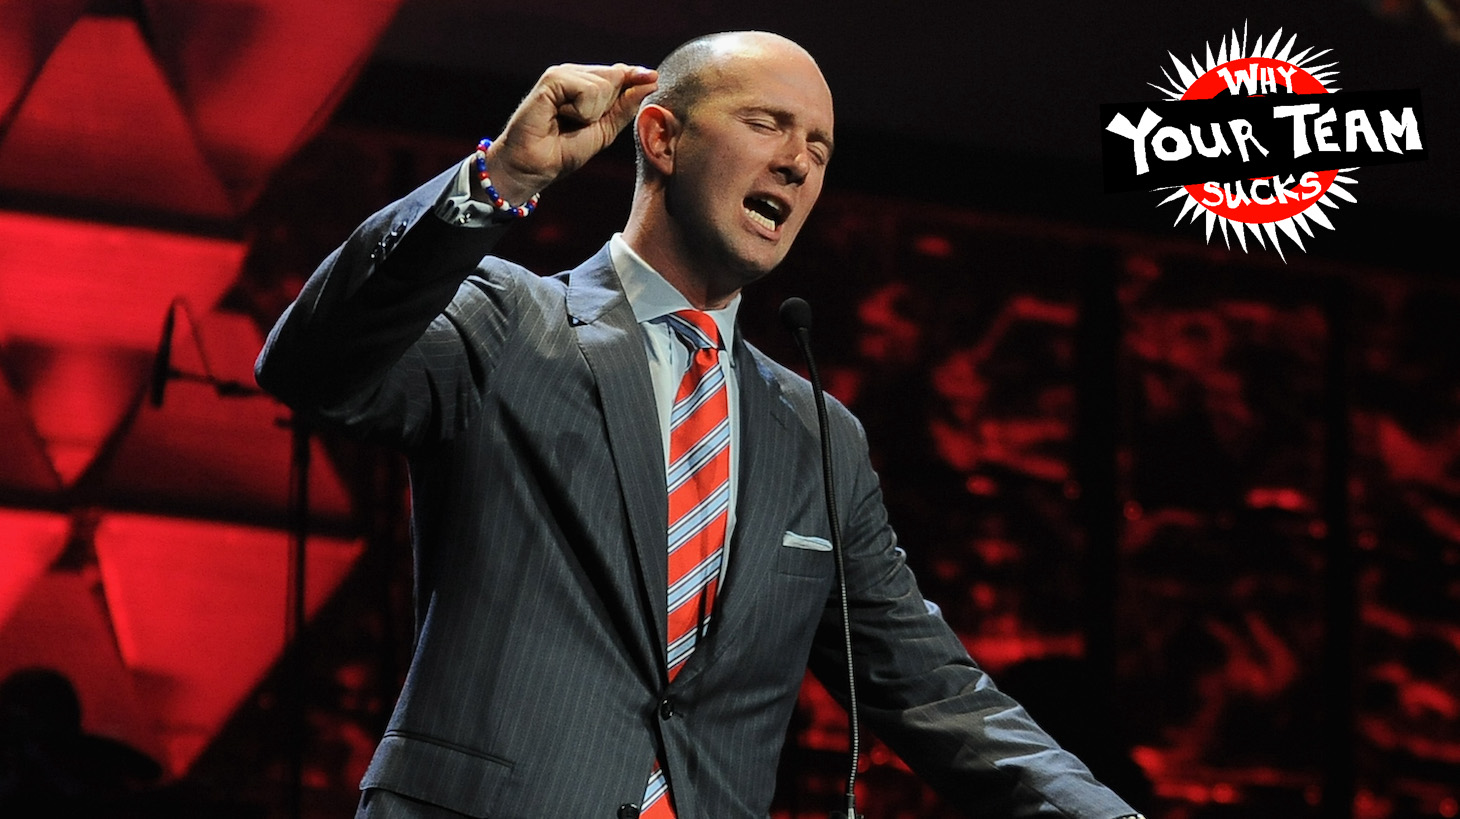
(704, 65)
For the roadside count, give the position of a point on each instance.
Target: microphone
(796, 315)
(162, 364)
(163, 371)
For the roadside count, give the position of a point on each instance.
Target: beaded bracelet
(486, 182)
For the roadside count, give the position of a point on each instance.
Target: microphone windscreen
(796, 314)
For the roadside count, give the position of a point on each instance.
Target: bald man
(623, 557)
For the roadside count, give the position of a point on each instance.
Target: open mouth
(767, 212)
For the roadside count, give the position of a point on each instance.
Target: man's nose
(793, 163)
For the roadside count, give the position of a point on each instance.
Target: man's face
(750, 162)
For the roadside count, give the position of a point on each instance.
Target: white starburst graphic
(1200, 76)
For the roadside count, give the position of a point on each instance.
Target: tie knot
(696, 328)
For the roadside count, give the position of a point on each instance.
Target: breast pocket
(805, 556)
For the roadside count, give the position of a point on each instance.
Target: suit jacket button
(628, 811)
(666, 708)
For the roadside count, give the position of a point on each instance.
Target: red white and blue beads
(486, 182)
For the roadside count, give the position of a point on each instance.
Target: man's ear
(658, 129)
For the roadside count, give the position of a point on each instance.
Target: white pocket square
(815, 544)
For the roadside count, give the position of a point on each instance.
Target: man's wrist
(501, 188)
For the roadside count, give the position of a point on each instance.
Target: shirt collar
(651, 297)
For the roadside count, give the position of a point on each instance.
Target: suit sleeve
(917, 688)
(393, 334)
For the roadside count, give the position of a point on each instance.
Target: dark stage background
(1199, 508)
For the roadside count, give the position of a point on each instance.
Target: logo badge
(1255, 142)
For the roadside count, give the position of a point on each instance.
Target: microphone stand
(299, 461)
(796, 315)
(300, 434)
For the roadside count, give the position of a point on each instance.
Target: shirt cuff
(457, 207)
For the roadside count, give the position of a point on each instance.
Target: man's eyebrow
(818, 135)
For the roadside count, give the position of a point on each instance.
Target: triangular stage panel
(199, 614)
(102, 125)
(70, 282)
(62, 624)
(259, 78)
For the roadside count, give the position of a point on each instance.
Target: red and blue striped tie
(698, 481)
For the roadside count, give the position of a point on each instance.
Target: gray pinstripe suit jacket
(538, 686)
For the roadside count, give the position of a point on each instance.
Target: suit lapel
(612, 344)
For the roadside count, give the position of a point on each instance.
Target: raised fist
(572, 113)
